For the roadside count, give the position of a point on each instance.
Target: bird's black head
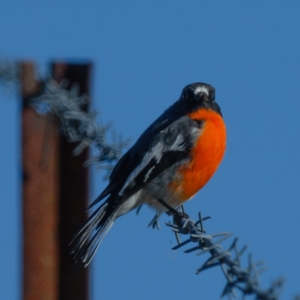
(198, 95)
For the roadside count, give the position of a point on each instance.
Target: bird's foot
(178, 216)
(154, 222)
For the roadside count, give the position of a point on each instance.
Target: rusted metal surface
(55, 195)
(40, 196)
(73, 282)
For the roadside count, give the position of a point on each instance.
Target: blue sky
(144, 53)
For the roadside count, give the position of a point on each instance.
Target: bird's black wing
(170, 145)
(167, 141)
(135, 155)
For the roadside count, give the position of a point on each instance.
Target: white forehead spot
(200, 89)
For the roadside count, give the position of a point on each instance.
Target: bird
(172, 160)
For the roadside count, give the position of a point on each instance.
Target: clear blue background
(145, 52)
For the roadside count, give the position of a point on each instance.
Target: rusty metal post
(73, 282)
(55, 195)
(40, 196)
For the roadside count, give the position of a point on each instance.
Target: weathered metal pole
(55, 193)
(40, 196)
(73, 283)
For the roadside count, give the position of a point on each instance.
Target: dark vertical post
(40, 196)
(73, 283)
(55, 195)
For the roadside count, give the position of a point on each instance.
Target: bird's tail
(88, 239)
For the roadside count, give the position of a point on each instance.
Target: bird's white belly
(131, 203)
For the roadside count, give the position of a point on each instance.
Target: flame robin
(172, 160)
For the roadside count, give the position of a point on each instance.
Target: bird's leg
(177, 219)
(183, 212)
(177, 215)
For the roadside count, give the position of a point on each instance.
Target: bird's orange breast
(205, 156)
